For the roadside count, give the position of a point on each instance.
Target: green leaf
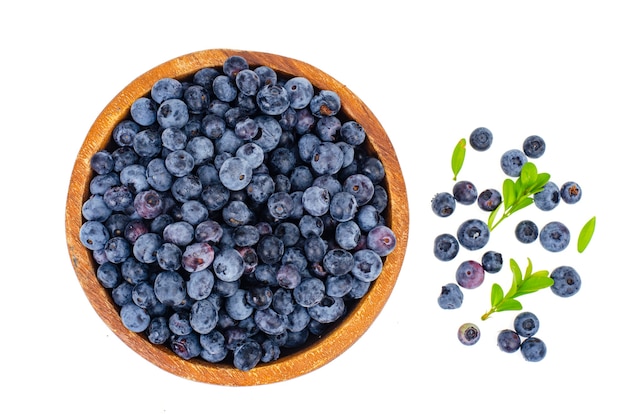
(534, 284)
(540, 273)
(528, 174)
(458, 157)
(529, 269)
(497, 294)
(540, 181)
(508, 193)
(509, 304)
(517, 278)
(523, 203)
(584, 237)
(492, 216)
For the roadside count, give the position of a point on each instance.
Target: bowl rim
(303, 361)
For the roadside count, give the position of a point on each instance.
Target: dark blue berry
(548, 198)
(473, 234)
(533, 349)
(526, 231)
(446, 247)
(554, 236)
(534, 146)
(450, 297)
(470, 274)
(465, 192)
(567, 281)
(526, 324)
(508, 341)
(481, 139)
(492, 261)
(570, 192)
(489, 200)
(443, 204)
(468, 334)
(512, 162)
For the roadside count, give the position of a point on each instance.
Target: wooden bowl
(305, 360)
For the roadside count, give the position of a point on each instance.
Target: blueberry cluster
(525, 325)
(236, 215)
(474, 234)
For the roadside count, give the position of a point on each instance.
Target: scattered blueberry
(548, 198)
(473, 234)
(464, 192)
(567, 281)
(470, 274)
(534, 146)
(481, 139)
(468, 334)
(508, 341)
(489, 199)
(450, 297)
(570, 192)
(554, 236)
(443, 204)
(492, 261)
(533, 349)
(526, 324)
(512, 162)
(446, 247)
(526, 231)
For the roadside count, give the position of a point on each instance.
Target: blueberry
(143, 295)
(143, 111)
(473, 234)
(94, 208)
(328, 310)
(343, 206)
(124, 132)
(299, 92)
(367, 266)
(93, 235)
(117, 249)
(213, 346)
(288, 276)
(470, 274)
(481, 139)
(280, 205)
(169, 256)
(464, 192)
(166, 88)
(526, 231)
(179, 163)
(554, 236)
(508, 341)
(169, 287)
(267, 75)
(325, 103)
(450, 297)
(446, 247)
(272, 99)
(247, 355)
(338, 261)
(228, 265)
(526, 324)
(102, 162)
(186, 346)
(158, 331)
(269, 321)
(309, 292)
(443, 204)
(352, 132)
(248, 82)
(534, 146)
(180, 233)
(468, 334)
(235, 173)
(348, 235)
(200, 284)
(548, 198)
(382, 240)
(316, 201)
(533, 349)
(197, 99)
(134, 318)
(172, 113)
(489, 200)
(108, 274)
(492, 261)
(224, 88)
(567, 281)
(327, 158)
(148, 204)
(512, 162)
(570, 192)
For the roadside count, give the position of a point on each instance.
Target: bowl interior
(319, 352)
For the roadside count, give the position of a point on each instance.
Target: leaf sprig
(523, 284)
(458, 157)
(517, 194)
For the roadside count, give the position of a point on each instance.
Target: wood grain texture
(320, 352)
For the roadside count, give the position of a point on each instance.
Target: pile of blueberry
(525, 325)
(236, 216)
(474, 235)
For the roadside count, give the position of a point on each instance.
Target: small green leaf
(517, 278)
(540, 273)
(529, 269)
(458, 157)
(509, 304)
(585, 234)
(534, 284)
(508, 192)
(523, 203)
(540, 181)
(528, 174)
(492, 216)
(497, 294)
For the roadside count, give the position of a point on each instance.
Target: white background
(431, 72)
